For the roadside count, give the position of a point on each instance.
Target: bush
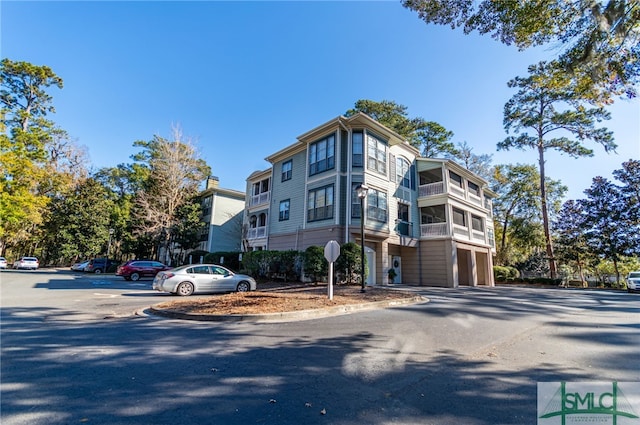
(349, 265)
(228, 259)
(316, 266)
(272, 264)
(505, 273)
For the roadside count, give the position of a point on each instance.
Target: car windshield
(634, 274)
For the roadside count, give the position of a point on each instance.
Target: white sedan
(202, 278)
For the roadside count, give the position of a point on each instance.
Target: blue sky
(244, 79)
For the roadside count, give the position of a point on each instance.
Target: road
(74, 352)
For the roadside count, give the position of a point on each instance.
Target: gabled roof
(358, 120)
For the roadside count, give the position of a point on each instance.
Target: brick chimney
(212, 182)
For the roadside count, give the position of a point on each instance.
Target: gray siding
(293, 190)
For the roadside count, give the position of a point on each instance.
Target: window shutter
(392, 168)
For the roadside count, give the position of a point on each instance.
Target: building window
(476, 223)
(322, 155)
(377, 205)
(433, 214)
(403, 176)
(284, 210)
(456, 179)
(403, 225)
(376, 155)
(357, 149)
(286, 170)
(459, 217)
(262, 220)
(320, 204)
(355, 201)
(253, 222)
(473, 188)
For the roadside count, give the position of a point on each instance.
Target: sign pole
(330, 285)
(331, 253)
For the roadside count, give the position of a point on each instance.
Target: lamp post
(361, 191)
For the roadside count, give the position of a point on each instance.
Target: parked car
(79, 266)
(135, 269)
(99, 265)
(202, 278)
(3, 263)
(633, 282)
(28, 263)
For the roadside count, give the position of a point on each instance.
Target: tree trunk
(545, 213)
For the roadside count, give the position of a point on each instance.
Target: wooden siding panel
(293, 190)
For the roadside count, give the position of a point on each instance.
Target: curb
(286, 316)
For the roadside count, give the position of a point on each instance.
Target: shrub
(228, 259)
(505, 273)
(349, 265)
(316, 266)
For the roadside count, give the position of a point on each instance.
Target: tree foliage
(597, 40)
(174, 173)
(78, 224)
(429, 137)
(37, 159)
(547, 113)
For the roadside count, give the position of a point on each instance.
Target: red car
(135, 269)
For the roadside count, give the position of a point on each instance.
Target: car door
(202, 278)
(154, 268)
(222, 280)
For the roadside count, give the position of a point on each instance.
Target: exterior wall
(225, 232)
(302, 240)
(457, 256)
(294, 190)
(436, 261)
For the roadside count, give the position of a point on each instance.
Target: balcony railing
(257, 232)
(431, 189)
(433, 230)
(261, 198)
(404, 228)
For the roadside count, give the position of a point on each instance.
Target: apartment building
(428, 219)
(222, 212)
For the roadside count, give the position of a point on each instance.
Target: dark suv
(135, 269)
(99, 265)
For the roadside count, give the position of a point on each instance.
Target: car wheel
(135, 277)
(97, 271)
(243, 287)
(185, 289)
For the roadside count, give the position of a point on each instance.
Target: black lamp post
(362, 190)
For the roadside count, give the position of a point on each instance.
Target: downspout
(349, 184)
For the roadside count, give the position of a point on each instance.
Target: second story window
(284, 210)
(403, 176)
(286, 170)
(377, 205)
(476, 223)
(376, 155)
(459, 217)
(322, 155)
(320, 204)
(357, 150)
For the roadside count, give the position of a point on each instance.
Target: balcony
(433, 230)
(431, 189)
(261, 198)
(257, 232)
